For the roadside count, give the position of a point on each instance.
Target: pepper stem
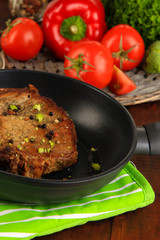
(73, 28)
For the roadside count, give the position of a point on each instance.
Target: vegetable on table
(126, 45)
(91, 62)
(66, 22)
(22, 39)
(120, 83)
(143, 15)
(151, 62)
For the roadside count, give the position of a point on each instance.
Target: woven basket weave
(148, 86)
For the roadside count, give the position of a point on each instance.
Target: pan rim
(49, 182)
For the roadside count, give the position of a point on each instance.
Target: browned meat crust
(36, 136)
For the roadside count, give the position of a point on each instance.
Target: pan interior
(105, 130)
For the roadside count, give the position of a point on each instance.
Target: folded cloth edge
(142, 182)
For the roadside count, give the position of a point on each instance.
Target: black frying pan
(101, 123)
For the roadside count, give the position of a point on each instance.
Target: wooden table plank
(99, 230)
(141, 223)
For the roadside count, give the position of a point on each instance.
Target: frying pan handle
(148, 139)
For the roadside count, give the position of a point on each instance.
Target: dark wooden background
(141, 224)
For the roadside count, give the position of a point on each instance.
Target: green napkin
(127, 192)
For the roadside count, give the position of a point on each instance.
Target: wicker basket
(148, 86)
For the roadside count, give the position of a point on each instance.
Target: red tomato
(121, 83)
(126, 45)
(90, 62)
(22, 39)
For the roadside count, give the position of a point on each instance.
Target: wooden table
(141, 224)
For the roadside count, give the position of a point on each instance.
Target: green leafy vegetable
(143, 15)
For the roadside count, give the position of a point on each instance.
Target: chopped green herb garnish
(19, 147)
(37, 107)
(44, 150)
(13, 107)
(48, 149)
(96, 166)
(39, 117)
(93, 149)
(41, 150)
(51, 143)
(26, 140)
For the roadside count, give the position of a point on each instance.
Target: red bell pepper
(66, 22)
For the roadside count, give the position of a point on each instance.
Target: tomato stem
(10, 26)
(122, 54)
(77, 64)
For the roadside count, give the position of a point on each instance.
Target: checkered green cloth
(127, 192)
